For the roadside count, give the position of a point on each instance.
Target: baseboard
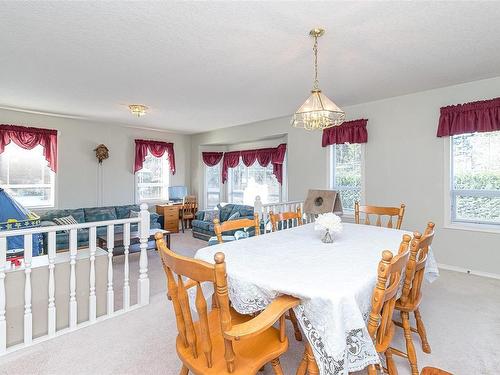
(470, 272)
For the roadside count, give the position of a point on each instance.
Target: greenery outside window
(475, 178)
(346, 173)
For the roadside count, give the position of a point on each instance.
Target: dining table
(334, 282)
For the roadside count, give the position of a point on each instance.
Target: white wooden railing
(264, 209)
(52, 305)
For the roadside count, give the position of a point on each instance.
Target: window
(245, 183)
(26, 176)
(152, 180)
(475, 178)
(212, 186)
(346, 172)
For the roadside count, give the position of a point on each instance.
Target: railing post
(28, 317)
(143, 282)
(126, 286)
(3, 323)
(257, 205)
(110, 242)
(51, 315)
(92, 296)
(73, 307)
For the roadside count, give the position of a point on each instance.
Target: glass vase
(328, 237)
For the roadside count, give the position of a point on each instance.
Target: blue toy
(14, 216)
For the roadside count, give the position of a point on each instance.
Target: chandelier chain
(315, 50)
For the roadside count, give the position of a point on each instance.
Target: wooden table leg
(168, 240)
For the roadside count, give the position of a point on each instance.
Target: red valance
(481, 116)
(157, 149)
(349, 132)
(28, 138)
(212, 158)
(264, 156)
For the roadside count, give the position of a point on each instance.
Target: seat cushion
(100, 214)
(201, 224)
(123, 212)
(250, 353)
(225, 212)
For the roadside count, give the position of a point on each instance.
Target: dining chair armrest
(270, 315)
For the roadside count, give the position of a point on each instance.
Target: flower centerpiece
(329, 222)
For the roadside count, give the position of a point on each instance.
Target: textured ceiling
(206, 65)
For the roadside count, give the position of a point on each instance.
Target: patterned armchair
(203, 225)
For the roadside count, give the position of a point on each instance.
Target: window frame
(331, 155)
(282, 186)
(165, 184)
(52, 185)
(451, 222)
(205, 185)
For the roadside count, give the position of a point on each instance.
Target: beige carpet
(461, 313)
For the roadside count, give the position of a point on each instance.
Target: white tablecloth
(334, 282)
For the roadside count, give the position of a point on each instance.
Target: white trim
(331, 174)
(448, 222)
(469, 272)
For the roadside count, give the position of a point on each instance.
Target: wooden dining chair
(221, 341)
(285, 220)
(188, 211)
(411, 296)
(232, 225)
(380, 323)
(398, 212)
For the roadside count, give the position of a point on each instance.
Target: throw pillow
(66, 220)
(211, 215)
(133, 214)
(234, 216)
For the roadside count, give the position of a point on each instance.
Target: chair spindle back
(236, 224)
(415, 270)
(390, 269)
(380, 211)
(287, 219)
(177, 268)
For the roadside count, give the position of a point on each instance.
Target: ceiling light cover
(138, 109)
(318, 112)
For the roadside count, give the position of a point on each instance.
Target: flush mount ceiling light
(318, 112)
(138, 109)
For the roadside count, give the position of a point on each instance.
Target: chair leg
(184, 370)
(182, 224)
(312, 366)
(426, 348)
(295, 323)
(372, 370)
(277, 366)
(302, 369)
(391, 366)
(410, 348)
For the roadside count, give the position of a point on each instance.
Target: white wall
(77, 182)
(404, 163)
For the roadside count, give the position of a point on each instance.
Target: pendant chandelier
(318, 112)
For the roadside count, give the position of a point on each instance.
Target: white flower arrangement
(329, 221)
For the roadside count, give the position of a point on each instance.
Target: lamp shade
(318, 112)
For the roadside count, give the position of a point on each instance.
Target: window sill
(485, 228)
